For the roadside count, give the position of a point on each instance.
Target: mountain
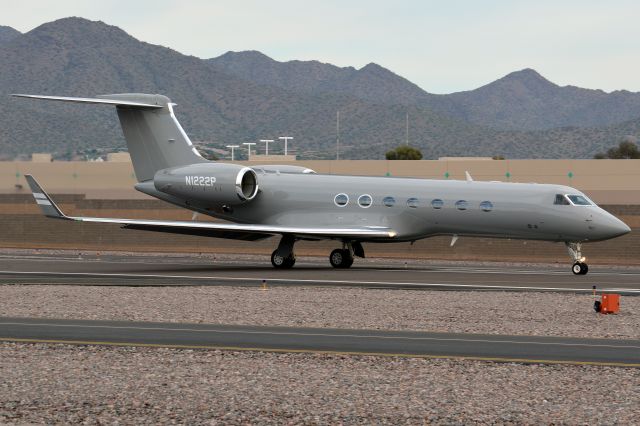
(522, 100)
(370, 83)
(77, 57)
(74, 56)
(7, 33)
(525, 100)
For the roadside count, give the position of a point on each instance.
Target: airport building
(605, 181)
(106, 189)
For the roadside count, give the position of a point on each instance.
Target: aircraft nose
(613, 227)
(623, 228)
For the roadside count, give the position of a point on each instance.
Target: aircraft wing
(210, 229)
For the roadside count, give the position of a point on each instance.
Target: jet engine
(228, 184)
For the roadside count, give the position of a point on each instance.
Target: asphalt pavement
(527, 349)
(171, 270)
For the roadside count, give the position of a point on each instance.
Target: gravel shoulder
(96, 385)
(64, 384)
(512, 313)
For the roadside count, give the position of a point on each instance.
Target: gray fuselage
(406, 205)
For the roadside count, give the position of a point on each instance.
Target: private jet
(295, 203)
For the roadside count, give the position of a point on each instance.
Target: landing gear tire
(580, 268)
(291, 260)
(280, 262)
(575, 251)
(341, 258)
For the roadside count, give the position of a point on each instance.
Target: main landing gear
(284, 257)
(281, 262)
(343, 258)
(579, 266)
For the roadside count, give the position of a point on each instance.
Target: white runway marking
(312, 281)
(472, 270)
(160, 261)
(426, 270)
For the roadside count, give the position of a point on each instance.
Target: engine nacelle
(272, 168)
(228, 184)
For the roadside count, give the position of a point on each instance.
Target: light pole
(232, 148)
(285, 139)
(249, 144)
(266, 143)
(337, 135)
(406, 140)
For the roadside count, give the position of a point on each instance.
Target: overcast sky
(443, 46)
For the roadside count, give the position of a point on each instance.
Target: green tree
(625, 150)
(404, 152)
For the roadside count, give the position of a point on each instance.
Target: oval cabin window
(486, 206)
(413, 202)
(462, 204)
(365, 201)
(341, 200)
(389, 201)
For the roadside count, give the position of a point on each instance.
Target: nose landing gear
(579, 266)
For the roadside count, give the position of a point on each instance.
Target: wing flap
(212, 233)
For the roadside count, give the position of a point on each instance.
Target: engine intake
(228, 184)
(246, 184)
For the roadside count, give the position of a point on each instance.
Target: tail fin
(154, 137)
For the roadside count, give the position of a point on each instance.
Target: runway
(156, 270)
(528, 349)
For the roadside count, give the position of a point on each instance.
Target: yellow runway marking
(350, 353)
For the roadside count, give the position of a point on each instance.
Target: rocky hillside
(522, 100)
(371, 83)
(525, 100)
(77, 57)
(7, 34)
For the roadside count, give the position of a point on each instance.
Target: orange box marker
(610, 303)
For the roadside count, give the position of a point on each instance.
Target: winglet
(45, 202)
(468, 175)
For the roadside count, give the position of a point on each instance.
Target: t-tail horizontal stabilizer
(97, 101)
(155, 139)
(45, 202)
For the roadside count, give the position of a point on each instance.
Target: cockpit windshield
(580, 200)
(561, 200)
(572, 200)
